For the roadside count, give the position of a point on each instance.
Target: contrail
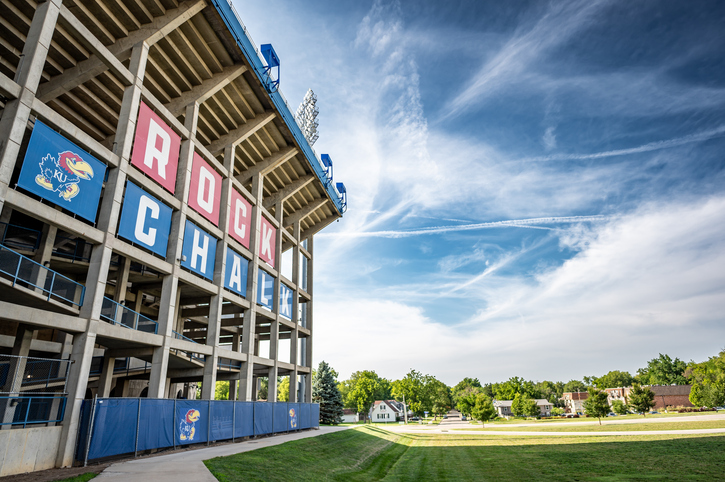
(520, 223)
(652, 146)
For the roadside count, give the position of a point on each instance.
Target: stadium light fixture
(306, 117)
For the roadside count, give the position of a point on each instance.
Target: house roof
(575, 396)
(348, 411)
(389, 403)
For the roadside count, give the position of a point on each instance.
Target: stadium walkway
(189, 464)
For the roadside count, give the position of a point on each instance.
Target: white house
(386, 411)
(503, 407)
(350, 416)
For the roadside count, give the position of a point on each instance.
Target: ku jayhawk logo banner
(186, 427)
(292, 418)
(57, 170)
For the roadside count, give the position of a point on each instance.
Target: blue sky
(536, 189)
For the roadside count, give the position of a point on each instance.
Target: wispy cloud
(652, 146)
(515, 223)
(558, 25)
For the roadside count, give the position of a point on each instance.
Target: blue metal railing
(33, 409)
(20, 237)
(75, 250)
(228, 364)
(117, 314)
(190, 354)
(239, 32)
(25, 272)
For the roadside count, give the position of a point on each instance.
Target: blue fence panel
(156, 425)
(304, 417)
(192, 421)
(222, 420)
(263, 418)
(315, 415)
(280, 417)
(114, 428)
(85, 418)
(293, 416)
(244, 419)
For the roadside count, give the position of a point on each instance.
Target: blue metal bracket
(327, 162)
(270, 56)
(343, 195)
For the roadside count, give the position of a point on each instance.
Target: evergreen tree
(326, 393)
(641, 399)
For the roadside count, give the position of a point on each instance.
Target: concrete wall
(28, 449)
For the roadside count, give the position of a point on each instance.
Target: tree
(518, 405)
(326, 393)
(463, 389)
(663, 371)
(440, 396)
(221, 391)
(531, 408)
(708, 381)
(483, 409)
(574, 386)
(382, 388)
(597, 404)
(412, 388)
(641, 399)
(468, 401)
(619, 407)
(283, 390)
(614, 379)
(367, 387)
(556, 411)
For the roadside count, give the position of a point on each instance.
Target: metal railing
(75, 249)
(25, 272)
(41, 375)
(191, 355)
(24, 410)
(117, 314)
(228, 364)
(20, 237)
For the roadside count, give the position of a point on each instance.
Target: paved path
(188, 465)
(455, 426)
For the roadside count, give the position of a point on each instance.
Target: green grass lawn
(503, 421)
(371, 454)
(80, 478)
(612, 427)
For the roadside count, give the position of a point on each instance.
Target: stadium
(159, 203)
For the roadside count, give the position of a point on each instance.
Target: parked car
(415, 419)
(463, 418)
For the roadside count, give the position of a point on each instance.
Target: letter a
(236, 276)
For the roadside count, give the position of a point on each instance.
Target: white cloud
(649, 282)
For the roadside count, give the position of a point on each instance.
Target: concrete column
(122, 280)
(106, 379)
(81, 355)
(17, 111)
(169, 289)
(16, 371)
(247, 389)
(308, 340)
(236, 345)
(44, 253)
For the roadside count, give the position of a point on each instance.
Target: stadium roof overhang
(198, 52)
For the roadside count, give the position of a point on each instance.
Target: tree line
(425, 393)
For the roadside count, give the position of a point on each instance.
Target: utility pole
(405, 410)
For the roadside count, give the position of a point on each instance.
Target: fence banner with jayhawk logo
(57, 170)
(192, 422)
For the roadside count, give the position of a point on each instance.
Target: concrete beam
(242, 132)
(93, 66)
(206, 89)
(8, 88)
(305, 211)
(268, 164)
(288, 191)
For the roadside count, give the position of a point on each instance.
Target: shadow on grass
(370, 453)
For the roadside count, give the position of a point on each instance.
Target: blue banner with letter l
(265, 290)
(198, 251)
(57, 170)
(235, 278)
(145, 220)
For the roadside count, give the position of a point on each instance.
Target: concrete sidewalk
(188, 465)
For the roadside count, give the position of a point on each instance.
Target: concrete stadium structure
(102, 281)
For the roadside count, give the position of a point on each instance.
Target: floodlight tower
(306, 117)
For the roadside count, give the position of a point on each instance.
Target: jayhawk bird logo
(186, 428)
(62, 176)
(293, 418)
